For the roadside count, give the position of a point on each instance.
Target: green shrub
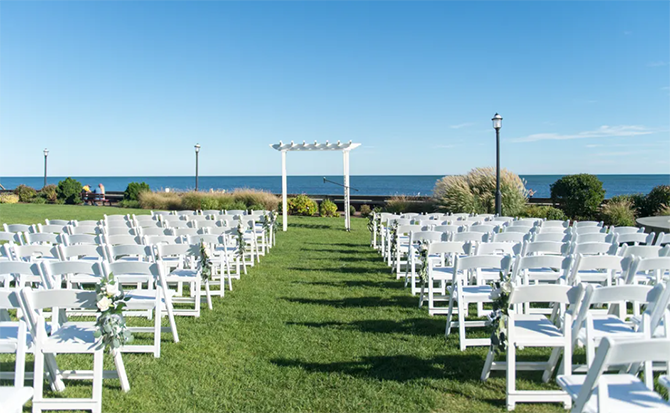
(38, 200)
(637, 200)
(49, 193)
(620, 213)
(656, 199)
(328, 208)
(547, 212)
(664, 211)
(302, 205)
(25, 193)
(352, 210)
(9, 199)
(580, 196)
(475, 192)
(69, 191)
(129, 203)
(365, 210)
(133, 190)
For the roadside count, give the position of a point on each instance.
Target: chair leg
(447, 329)
(511, 375)
(461, 324)
(173, 324)
(121, 371)
(551, 364)
(38, 379)
(97, 380)
(157, 331)
(486, 371)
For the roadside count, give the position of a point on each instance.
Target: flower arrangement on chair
(423, 256)
(111, 323)
(498, 317)
(241, 243)
(205, 263)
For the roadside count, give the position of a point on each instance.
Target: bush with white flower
(497, 319)
(111, 323)
(205, 262)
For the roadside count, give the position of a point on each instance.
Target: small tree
(69, 191)
(133, 190)
(580, 196)
(328, 208)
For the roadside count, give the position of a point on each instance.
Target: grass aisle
(320, 325)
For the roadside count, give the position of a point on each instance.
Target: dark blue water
(366, 184)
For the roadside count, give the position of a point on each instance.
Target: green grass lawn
(320, 325)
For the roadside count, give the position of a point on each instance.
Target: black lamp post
(497, 124)
(197, 151)
(46, 153)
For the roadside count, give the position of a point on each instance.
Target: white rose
(112, 290)
(104, 304)
(506, 287)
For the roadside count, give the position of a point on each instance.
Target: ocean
(421, 185)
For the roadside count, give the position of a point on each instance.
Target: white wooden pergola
(339, 146)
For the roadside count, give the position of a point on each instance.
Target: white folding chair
(413, 255)
(158, 300)
(599, 269)
(179, 264)
(636, 238)
(534, 330)
(69, 338)
(440, 271)
(461, 295)
(545, 248)
(598, 392)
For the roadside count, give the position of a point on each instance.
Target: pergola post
(347, 217)
(284, 202)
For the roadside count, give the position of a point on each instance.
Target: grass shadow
(358, 302)
(429, 327)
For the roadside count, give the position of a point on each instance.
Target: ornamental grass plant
(475, 192)
(620, 213)
(237, 199)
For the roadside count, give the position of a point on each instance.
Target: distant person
(531, 193)
(85, 193)
(100, 193)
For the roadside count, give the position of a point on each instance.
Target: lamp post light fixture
(46, 153)
(197, 151)
(497, 124)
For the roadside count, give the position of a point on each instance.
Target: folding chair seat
(461, 294)
(157, 299)
(12, 398)
(597, 392)
(534, 330)
(440, 271)
(68, 338)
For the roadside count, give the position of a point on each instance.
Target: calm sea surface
(366, 184)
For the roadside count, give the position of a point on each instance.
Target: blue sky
(127, 88)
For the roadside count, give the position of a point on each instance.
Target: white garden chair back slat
(636, 238)
(546, 248)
